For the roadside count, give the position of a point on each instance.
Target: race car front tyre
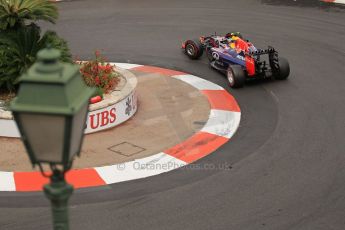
(284, 69)
(193, 49)
(209, 54)
(236, 76)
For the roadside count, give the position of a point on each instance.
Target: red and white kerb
(224, 120)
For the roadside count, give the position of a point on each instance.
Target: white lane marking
(222, 123)
(126, 65)
(274, 96)
(197, 82)
(145, 167)
(7, 181)
(8, 128)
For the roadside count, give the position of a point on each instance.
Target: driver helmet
(234, 35)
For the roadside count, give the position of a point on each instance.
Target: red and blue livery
(238, 58)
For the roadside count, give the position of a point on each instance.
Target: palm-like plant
(18, 50)
(14, 13)
(20, 37)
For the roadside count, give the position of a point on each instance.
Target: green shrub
(52, 39)
(18, 50)
(9, 68)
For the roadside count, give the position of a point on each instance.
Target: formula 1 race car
(239, 59)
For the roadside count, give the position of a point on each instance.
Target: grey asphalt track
(288, 158)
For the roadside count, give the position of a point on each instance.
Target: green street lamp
(50, 111)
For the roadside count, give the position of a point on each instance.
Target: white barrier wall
(117, 108)
(97, 120)
(113, 115)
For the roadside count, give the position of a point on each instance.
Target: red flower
(97, 80)
(98, 73)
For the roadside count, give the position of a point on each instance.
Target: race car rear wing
(269, 50)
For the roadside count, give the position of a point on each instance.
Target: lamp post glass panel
(50, 111)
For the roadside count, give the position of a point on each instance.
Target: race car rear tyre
(193, 49)
(284, 69)
(236, 76)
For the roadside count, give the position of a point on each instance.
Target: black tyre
(193, 49)
(209, 53)
(236, 76)
(284, 69)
